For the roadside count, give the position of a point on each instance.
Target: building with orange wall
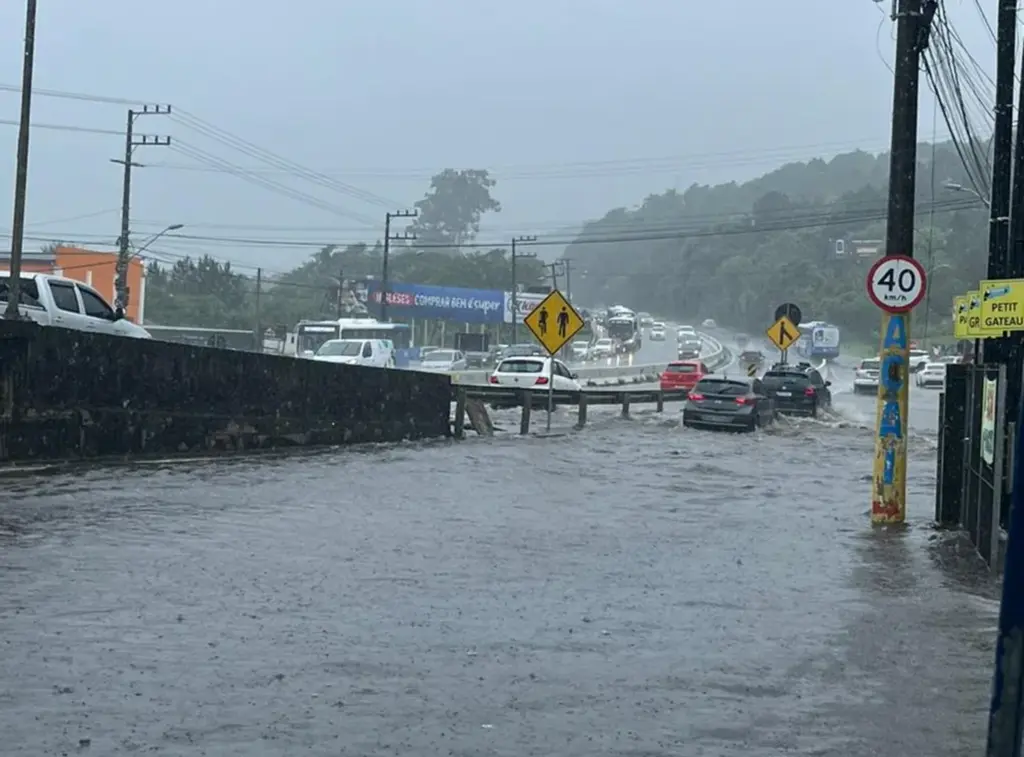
(92, 267)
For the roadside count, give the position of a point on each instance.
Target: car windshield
(335, 348)
(777, 378)
(870, 365)
(604, 342)
(441, 356)
(521, 349)
(659, 325)
(722, 386)
(521, 366)
(682, 368)
(935, 367)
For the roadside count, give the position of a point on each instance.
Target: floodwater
(635, 589)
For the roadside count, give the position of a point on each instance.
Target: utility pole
(889, 475)
(388, 239)
(1013, 347)
(567, 264)
(131, 141)
(515, 284)
(1006, 711)
(21, 171)
(554, 272)
(341, 291)
(259, 328)
(996, 350)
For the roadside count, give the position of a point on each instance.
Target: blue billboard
(441, 303)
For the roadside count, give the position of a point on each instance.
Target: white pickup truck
(66, 303)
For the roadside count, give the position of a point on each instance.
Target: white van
(371, 352)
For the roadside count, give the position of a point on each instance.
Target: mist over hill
(734, 251)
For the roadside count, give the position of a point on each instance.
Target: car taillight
(809, 391)
(494, 379)
(697, 397)
(744, 401)
(541, 380)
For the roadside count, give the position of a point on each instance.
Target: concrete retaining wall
(69, 394)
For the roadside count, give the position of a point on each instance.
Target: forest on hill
(732, 252)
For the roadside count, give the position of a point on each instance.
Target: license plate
(784, 394)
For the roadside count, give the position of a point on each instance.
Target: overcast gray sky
(576, 106)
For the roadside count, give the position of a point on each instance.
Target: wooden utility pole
(21, 169)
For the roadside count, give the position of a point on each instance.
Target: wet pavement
(634, 589)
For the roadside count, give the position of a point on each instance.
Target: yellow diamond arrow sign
(554, 322)
(783, 333)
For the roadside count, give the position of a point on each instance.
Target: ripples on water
(637, 588)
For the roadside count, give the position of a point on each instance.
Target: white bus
(310, 335)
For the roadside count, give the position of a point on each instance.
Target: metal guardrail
(465, 395)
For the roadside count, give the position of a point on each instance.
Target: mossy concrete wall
(70, 394)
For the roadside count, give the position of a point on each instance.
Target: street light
(148, 242)
(952, 186)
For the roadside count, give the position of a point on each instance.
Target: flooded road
(635, 589)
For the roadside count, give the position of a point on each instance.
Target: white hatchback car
(865, 377)
(533, 373)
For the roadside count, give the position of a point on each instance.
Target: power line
(218, 134)
(649, 233)
(202, 156)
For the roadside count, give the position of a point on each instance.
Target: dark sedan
(727, 404)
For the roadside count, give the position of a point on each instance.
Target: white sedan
(534, 373)
(933, 374)
(657, 332)
(444, 360)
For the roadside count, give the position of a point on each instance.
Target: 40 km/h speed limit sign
(896, 284)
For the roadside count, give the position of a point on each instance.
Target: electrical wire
(692, 229)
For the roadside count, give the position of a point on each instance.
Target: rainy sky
(576, 106)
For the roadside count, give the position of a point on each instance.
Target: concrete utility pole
(567, 264)
(388, 239)
(515, 283)
(21, 170)
(889, 476)
(131, 141)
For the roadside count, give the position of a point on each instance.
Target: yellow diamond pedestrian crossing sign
(554, 322)
(783, 333)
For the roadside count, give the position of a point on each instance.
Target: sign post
(783, 333)
(896, 284)
(553, 322)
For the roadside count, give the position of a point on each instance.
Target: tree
(734, 251)
(450, 212)
(201, 292)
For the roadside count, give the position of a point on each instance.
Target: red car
(683, 374)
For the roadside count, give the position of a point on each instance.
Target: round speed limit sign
(896, 284)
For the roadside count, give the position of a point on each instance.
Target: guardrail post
(661, 401)
(625, 404)
(581, 405)
(460, 413)
(526, 400)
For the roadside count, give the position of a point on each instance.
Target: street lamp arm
(152, 239)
